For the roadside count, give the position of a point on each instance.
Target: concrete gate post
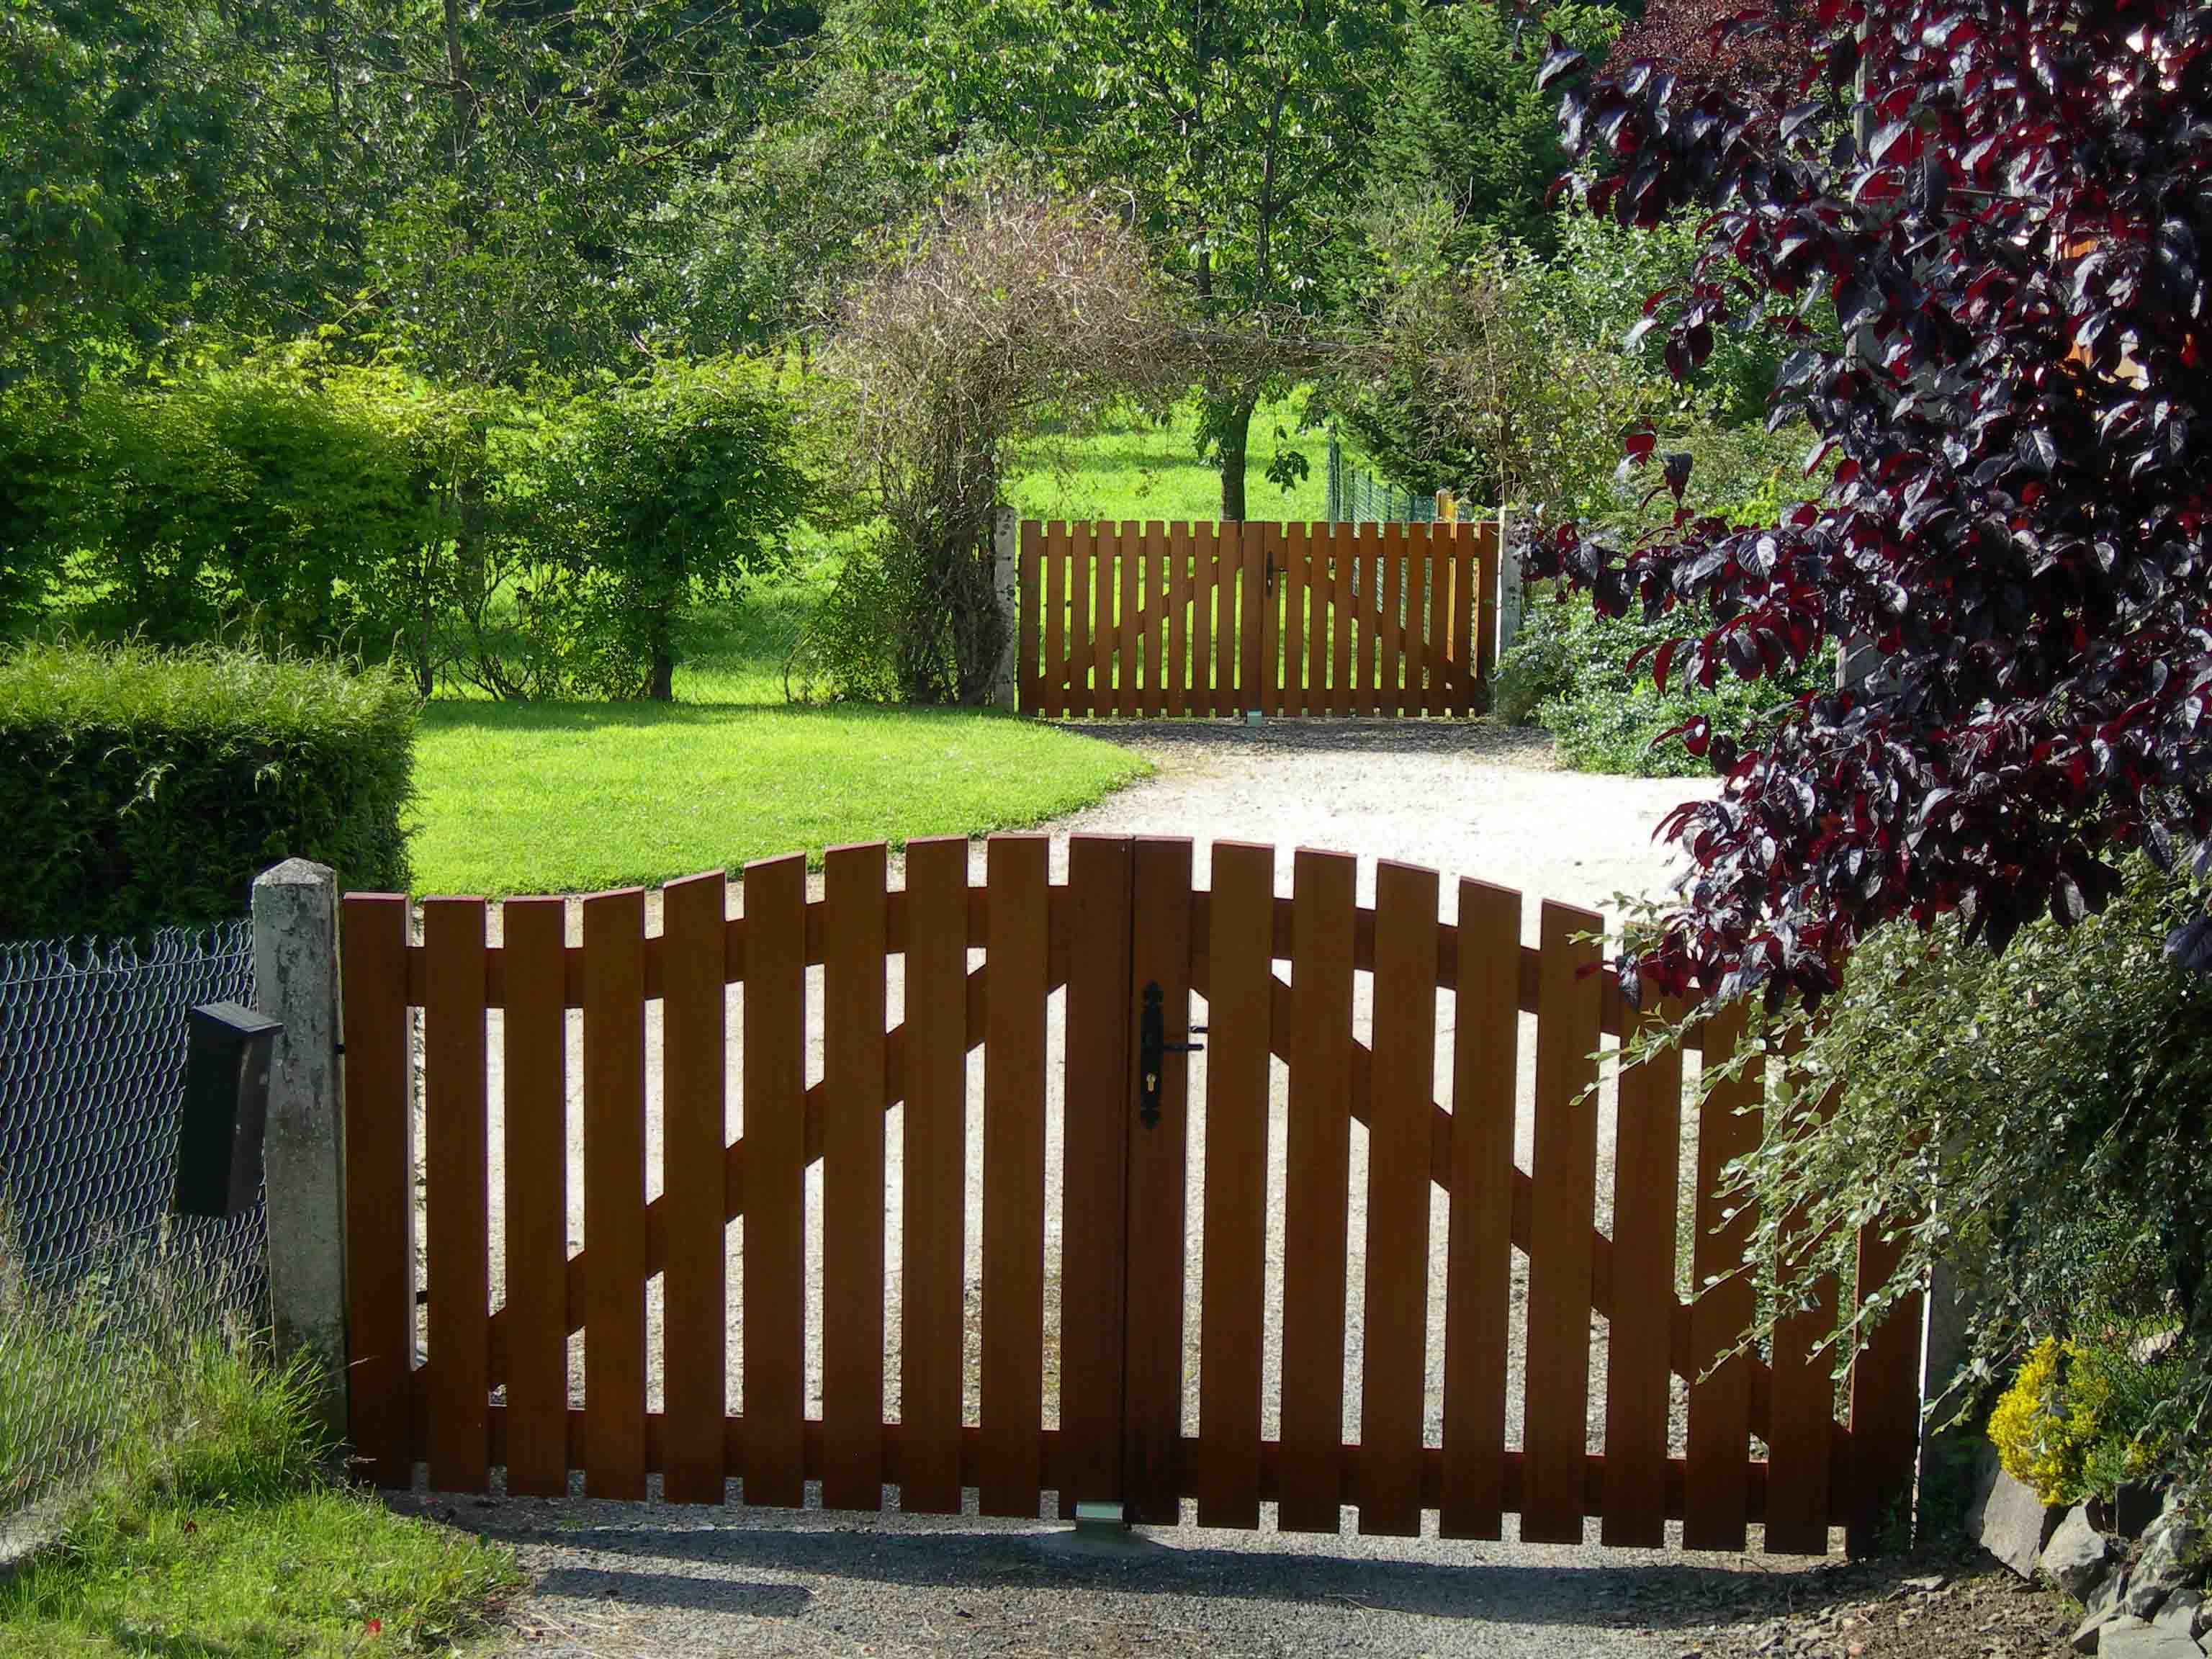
(296, 980)
(1006, 587)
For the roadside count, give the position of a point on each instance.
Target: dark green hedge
(141, 788)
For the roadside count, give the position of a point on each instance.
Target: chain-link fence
(105, 1295)
(1357, 496)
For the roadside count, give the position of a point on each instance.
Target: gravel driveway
(1462, 800)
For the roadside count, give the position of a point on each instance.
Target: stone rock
(2007, 1518)
(2160, 1571)
(2183, 1611)
(2137, 1638)
(2077, 1556)
(2102, 1608)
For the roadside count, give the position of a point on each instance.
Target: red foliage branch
(2019, 521)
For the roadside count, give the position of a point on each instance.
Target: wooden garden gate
(1147, 620)
(468, 1365)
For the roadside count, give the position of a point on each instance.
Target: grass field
(570, 797)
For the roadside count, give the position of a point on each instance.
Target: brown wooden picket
(1134, 939)
(1158, 620)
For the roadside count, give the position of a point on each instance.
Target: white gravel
(1465, 800)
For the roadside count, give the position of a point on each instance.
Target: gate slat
(1717, 1490)
(1013, 1177)
(1202, 539)
(614, 1193)
(1464, 649)
(1885, 1394)
(1486, 1047)
(1157, 1175)
(1564, 1173)
(1178, 618)
(535, 1162)
(1317, 633)
(1095, 1080)
(380, 1195)
(1026, 583)
(775, 1180)
(1294, 619)
(1079, 648)
(457, 1250)
(1414, 698)
(1229, 654)
(1105, 551)
(1130, 557)
(1317, 1145)
(695, 1266)
(935, 1158)
(1393, 600)
(1054, 702)
(1801, 1396)
(1342, 548)
(1437, 652)
(1370, 681)
(1156, 625)
(1639, 1383)
(1252, 630)
(1240, 931)
(1393, 1370)
(853, 934)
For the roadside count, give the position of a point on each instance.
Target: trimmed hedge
(141, 788)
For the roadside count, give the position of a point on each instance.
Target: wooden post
(1006, 578)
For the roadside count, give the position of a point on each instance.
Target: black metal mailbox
(226, 1108)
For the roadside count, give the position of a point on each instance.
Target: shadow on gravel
(1659, 1594)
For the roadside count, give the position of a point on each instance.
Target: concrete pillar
(1005, 586)
(1509, 600)
(295, 976)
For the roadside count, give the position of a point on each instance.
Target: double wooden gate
(593, 1080)
(1147, 620)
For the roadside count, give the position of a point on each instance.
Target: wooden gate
(584, 1069)
(1146, 620)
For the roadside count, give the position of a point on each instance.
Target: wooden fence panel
(695, 1266)
(1095, 1087)
(854, 928)
(456, 1243)
(1563, 1175)
(1389, 687)
(1028, 674)
(1718, 1474)
(1417, 620)
(1013, 1177)
(1885, 1394)
(614, 1193)
(1178, 620)
(775, 1180)
(1105, 553)
(1294, 581)
(1204, 588)
(1252, 632)
(1231, 1320)
(1131, 562)
(1058, 555)
(1155, 619)
(1486, 1047)
(1318, 1150)
(1081, 653)
(1638, 1387)
(1342, 555)
(380, 1198)
(1370, 681)
(535, 1103)
(935, 1159)
(1393, 1372)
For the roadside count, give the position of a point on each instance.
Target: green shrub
(2044, 1118)
(2082, 1416)
(143, 788)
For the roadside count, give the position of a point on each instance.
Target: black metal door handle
(1152, 1049)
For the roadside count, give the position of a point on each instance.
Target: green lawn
(570, 797)
(565, 798)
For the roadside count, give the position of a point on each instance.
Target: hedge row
(141, 788)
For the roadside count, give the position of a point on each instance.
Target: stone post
(1005, 586)
(295, 980)
(1510, 601)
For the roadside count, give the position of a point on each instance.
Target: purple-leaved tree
(2009, 203)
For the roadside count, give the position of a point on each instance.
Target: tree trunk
(1235, 440)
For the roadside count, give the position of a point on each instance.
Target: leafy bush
(2048, 1115)
(144, 788)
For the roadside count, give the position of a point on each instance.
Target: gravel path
(1462, 800)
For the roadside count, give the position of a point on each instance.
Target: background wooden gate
(1147, 620)
(1636, 1409)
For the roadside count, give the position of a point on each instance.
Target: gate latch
(1152, 1047)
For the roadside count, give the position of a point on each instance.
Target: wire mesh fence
(1356, 495)
(105, 1297)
